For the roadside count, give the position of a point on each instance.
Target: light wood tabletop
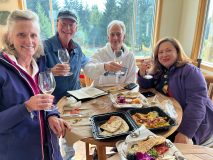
(190, 152)
(104, 105)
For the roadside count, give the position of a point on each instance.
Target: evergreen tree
(108, 15)
(45, 25)
(94, 20)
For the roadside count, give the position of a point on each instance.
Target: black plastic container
(151, 109)
(98, 120)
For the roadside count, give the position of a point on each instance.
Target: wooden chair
(87, 80)
(209, 81)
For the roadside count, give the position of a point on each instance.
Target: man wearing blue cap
(66, 29)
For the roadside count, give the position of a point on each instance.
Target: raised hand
(39, 102)
(60, 69)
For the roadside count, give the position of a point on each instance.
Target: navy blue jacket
(20, 134)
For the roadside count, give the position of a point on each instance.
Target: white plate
(143, 100)
(143, 133)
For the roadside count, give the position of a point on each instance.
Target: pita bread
(113, 124)
(146, 145)
(122, 129)
(132, 95)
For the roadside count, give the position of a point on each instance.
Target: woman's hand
(39, 102)
(60, 69)
(145, 65)
(58, 125)
(181, 138)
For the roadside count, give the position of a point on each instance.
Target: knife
(74, 115)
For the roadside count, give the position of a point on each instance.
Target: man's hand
(60, 69)
(112, 66)
(58, 125)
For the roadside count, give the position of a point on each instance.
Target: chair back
(209, 82)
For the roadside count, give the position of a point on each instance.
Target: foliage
(45, 24)
(92, 23)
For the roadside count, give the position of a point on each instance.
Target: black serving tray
(150, 109)
(98, 120)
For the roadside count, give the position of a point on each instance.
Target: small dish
(128, 99)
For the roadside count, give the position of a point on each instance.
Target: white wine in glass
(47, 84)
(64, 58)
(118, 59)
(148, 61)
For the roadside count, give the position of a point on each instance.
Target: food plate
(128, 99)
(98, 120)
(147, 145)
(154, 118)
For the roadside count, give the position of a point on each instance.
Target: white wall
(170, 18)
(188, 24)
(179, 20)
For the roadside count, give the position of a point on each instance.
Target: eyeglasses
(67, 25)
(118, 34)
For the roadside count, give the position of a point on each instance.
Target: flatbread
(122, 129)
(146, 145)
(113, 124)
(132, 95)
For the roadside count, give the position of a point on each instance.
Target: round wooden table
(96, 106)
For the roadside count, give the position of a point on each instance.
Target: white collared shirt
(33, 63)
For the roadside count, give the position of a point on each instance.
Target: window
(94, 17)
(206, 53)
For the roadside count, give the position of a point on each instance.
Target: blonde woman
(27, 131)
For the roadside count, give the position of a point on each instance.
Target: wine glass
(47, 84)
(148, 61)
(64, 58)
(118, 59)
(118, 56)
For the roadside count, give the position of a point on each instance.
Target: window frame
(198, 35)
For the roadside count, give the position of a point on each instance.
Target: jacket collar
(57, 44)
(110, 51)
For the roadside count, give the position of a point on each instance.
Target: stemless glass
(118, 56)
(47, 84)
(148, 61)
(64, 58)
(118, 59)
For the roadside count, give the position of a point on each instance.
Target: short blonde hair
(11, 22)
(182, 58)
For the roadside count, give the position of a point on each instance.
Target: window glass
(206, 53)
(94, 17)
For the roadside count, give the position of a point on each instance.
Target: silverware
(74, 115)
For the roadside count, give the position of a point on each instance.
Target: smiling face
(167, 54)
(116, 37)
(66, 29)
(25, 38)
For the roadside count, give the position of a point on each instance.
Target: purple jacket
(20, 134)
(188, 87)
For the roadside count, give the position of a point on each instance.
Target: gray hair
(11, 22)
(116, 22)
